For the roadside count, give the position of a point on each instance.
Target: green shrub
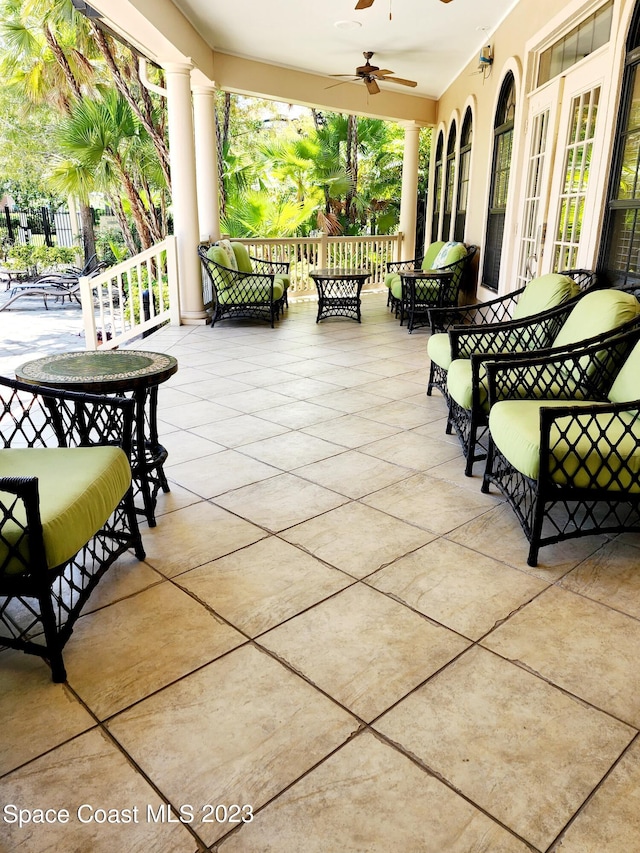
(34, 258)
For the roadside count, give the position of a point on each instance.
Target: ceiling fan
(370, 74)
(364, 4)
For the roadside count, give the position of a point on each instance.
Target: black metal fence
(38, 226)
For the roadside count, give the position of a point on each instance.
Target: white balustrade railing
(132, 298)
(307, 253)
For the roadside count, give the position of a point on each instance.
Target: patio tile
(305, 388)
(360, 648)
(89, 771)
(195, 535)
(533, 769)
(195, 414)
(395, 388)
(397, 413)
(284, 729)
(239, 430)
(357, 539)
(433, 504)
(579, 645)
(280, 502)
(215, 387)
(354, 474)
(27, 732)
(350, 430)
(185, 446)
(176, 498)
(347, 378)
(414, 450)
(609, 576)
(295, 450)
(498, 534)
(369, 797)
(258, 587)
(349, 400)
(298, 414)
(170, 397)
(118, 655)
(263, 377)
(456, 587)
(212, 475)
(610, 821)
(254, 400)
(126, 577)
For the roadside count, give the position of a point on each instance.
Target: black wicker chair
(66, 510)
(600, 314)
(394, 268)
(565, 440)
(258, 294)
(499, 310)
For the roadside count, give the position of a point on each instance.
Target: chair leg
(52, 638)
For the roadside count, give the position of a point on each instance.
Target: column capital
(202, 89)
(178, 67)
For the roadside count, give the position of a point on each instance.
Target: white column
(183, 189)
(206, 161)
(409, 197)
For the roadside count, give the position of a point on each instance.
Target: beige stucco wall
(528, 24)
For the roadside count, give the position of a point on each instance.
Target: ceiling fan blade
(443, 1)
(364, 4)
(353, 76)
(381, 72)
(371, 85)
(400, 80)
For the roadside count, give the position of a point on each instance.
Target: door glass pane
(529, 246)
(578, 155)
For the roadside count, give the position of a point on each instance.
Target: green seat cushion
(626, 386)
(391, 278)
(439, 349)
(543, 293)
(597, 312)
(460, 385)
(515, 429)
(250, 293)
(79, 488)
(284, 279)
(241, 254)
(227, 248)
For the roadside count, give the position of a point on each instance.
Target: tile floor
(335, 643)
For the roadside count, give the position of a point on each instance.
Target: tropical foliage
(79, 121)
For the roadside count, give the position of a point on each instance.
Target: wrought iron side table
(124, 372)
(339, 292)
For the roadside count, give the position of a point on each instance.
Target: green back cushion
(449, 253)
(219, 256)
(227, 248)
(597, 312)
(431, 254)
(79, 488)
(515, 429)
(627, 383)
(242, 257)
(543, 293)
(460, 384)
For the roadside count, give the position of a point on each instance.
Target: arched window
(620, 249)
(437, 190)
(449, 182)
(501, 167)
(463, 176)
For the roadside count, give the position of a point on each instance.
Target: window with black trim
(500, 171)
(620, 250)
(449, 182)
(464, 166)
(437, 190)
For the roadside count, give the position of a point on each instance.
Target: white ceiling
(426, 40)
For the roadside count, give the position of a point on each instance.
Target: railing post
(172, 275)
(399, 239)
(324, 244)
(88, 315)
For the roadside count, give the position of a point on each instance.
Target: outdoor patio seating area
(335, 642)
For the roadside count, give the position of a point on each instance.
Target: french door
(565, 139)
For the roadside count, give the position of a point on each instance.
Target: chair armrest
(35, 416)
(594, 447)
(24, 548)
(530, 333)
(397, 266)
(573, 372)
